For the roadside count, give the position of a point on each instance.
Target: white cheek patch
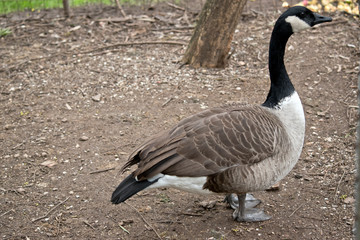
(297, 24)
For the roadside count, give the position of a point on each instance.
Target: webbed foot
(250, 215)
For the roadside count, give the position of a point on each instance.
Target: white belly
(188, 184)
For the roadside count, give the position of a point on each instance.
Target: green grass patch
(4, 32)
(7, 6)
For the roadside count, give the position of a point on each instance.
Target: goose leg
(244, 208)
(250, 201)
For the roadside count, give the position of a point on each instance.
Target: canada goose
(232, 149)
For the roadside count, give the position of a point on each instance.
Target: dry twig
(88, 224)
(114, 20)
(167, 101)
(120, 8)
(175, 6)
(20, 144)
(124, 229)
(192, 214)
(337, 188)
(52, 209)
(146, 222)
(295, 210)
(3, 214)
(103, 170)
(132, 43)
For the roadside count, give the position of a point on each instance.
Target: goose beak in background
(321, 19)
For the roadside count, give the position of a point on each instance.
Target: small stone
(321, 114)
(64, 120)
(328, 139)
(68, 106)
(8, 127)
(55, 35)
(16, 155)
(96, 98)
(84, 138)
(42, 184)
(20, 190)
(298, 176)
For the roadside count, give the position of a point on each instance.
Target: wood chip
(48, 163)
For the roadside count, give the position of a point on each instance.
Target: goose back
(221, 144)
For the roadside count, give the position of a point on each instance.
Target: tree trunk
(210, 44)
(66, 6)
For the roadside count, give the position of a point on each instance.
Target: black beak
(321, 19)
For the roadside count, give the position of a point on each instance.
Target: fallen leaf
(349, 200)
(207, 205)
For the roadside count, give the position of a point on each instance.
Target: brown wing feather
(209, 142)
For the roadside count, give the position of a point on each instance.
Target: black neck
(281, 85)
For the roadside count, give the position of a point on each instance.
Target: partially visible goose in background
(233, 149)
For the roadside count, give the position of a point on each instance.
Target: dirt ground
(74, 103)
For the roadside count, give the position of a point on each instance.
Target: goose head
(300, 18)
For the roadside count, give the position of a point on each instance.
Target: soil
(75, 103)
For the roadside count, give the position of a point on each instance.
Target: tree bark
(210, 44)
(67, 10)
